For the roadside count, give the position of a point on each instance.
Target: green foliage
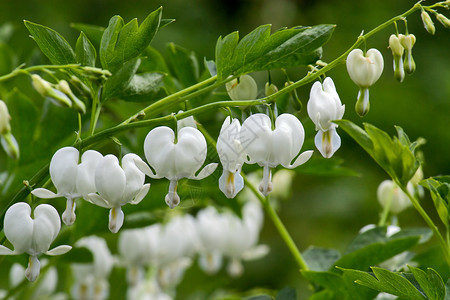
(52, 44)
(121, 43)
(440, 193)
(395, 155)
(259, 50)
(184, 64)
(423, 285)
(368, 248)
(85, 51)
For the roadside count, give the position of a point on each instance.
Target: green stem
(19, 71)
(284, 233)
(385, 212)
(430, 223)
(177, 97)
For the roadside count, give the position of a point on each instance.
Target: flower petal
(63, 249)
(327, 142)
(63, 170)
(301, 159)
(97, 200)
(141, 194)
(158, 148)
(190, 152)
(46, 227)
(44, 193)
(18, 227)
(6, 251)
(255, 137)
(110, 180)
(116, 217)
(134, 178)
(205, 172)
(86, 172)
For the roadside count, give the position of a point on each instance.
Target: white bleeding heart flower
(118, 185)
(324, 106)
(32, 235)
(175, 159)
(232, 157)
(91, 279)
(71, 180)
(364, 70)
(391, 197)
(243, 89)
(272, 147)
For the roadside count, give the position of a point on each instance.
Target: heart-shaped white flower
(175, 159)
(32, 235)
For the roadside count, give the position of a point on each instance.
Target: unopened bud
(10, 145)
(427, 22)
(77, 104)
(408, 42)
(243, 89)
(391, 196)
(395, 45)
(270, 89)
(5, 127)
(40, 85)
(443, 20)
(397, 51)
(80, 86)
(46, 89)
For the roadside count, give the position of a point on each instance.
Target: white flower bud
(243, 89)
(443, 20)
(5, 127)
(270, 89)
(427, 22)
(389, 194)
(397, 51)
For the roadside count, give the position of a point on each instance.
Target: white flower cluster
(166, 250)
(111, 182)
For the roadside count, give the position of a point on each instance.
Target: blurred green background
(326, 211)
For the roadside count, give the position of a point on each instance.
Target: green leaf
(320, 259)
(373, 247)
(143, 87)
(328, 280)
(440, 193)
(388, 282)
(430, 282)
(224, 52)
(325, 167)
(120, 80)
(260, 50)
(286, 293)
(52, 44)
(396, 156)
(184, 64)
(120, 42)
(85, 51)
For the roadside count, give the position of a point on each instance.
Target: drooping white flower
(397, 52)
(7, 139)
(232, 157)
(32, 235)
(272, 147)
(408, 42)
(118, 185)
(70, 180)
(390, 194)
(175, 159)
(225, 234)
(324, 106)
(91, 279)
(364, 70)
(244, 88)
